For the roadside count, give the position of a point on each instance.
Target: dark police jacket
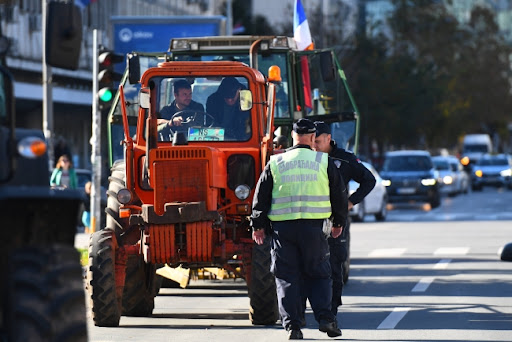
(263, 196)
(351, 167)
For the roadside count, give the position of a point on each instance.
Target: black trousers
(300, 263)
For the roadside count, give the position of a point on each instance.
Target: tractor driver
(182, 101)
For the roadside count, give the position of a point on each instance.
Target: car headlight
(242, 192)
(506, 173)
(447, 180)
(386, 182)
(479, 173)
(428, 181)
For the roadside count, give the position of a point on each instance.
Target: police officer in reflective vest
(350, 167)
(296, 194)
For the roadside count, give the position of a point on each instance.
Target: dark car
(494, 170)
(411, 176)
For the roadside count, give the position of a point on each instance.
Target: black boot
(331, 328)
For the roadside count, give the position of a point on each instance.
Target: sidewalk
(81, 238)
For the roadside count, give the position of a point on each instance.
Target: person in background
(64, 174)
(281, 142)
(86, 215)
(296, 194)
(350, 167)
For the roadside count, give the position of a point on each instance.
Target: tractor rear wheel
(116, 182)
(262, 289)
(45, 296)
(140, 287)
(101, 282)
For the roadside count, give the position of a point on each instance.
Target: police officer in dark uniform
(296, 194)
(350, 167)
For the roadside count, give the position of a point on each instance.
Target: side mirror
(327, 65)
(133, 68)
(245, 100)
(144, 100)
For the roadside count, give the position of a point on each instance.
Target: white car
(375, 203)
(452, 177)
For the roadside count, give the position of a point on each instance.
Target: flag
(302, 37)
(301, 33)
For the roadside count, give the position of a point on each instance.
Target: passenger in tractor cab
(224, 106)
(182, 102)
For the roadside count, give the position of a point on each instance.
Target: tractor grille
(191, 242)
(180, 180)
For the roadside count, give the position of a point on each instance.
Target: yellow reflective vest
(301, 185)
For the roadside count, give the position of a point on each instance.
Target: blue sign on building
(154, 34)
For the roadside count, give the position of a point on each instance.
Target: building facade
(72, 98)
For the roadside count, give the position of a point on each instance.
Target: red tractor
(182, 195)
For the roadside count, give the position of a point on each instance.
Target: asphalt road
(423, 275)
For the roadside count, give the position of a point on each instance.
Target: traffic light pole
(47, 93)
(95, 142)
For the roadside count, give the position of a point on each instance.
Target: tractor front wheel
(101, 282)
(140, 287)
(262, 288)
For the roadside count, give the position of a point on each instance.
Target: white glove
(327, 227)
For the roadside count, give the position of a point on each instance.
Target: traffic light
(107, 76)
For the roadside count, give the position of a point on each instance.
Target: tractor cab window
(323, 95)
(204, 108)
(265, 61)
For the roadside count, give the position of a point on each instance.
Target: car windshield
(475, 148)
(407, 163)
(493, 162)
(442, 165)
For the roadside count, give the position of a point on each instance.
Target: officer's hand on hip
(336, 231)
(259, 236)
(350, 205)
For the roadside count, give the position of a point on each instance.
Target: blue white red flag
(301, 33)
(302, 37)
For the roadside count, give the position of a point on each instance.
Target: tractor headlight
(242, 192)
(124, 196)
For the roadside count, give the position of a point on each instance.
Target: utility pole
(229, 15)
(95, 141)
(47, 91)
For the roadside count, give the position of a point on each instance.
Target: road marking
(423, 284)
(387, 252)
(393, 318)
(452, 250)
(442, 264)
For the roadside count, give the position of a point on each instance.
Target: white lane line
(393, 318)
(423, 284)
(442, 264)
(452, 250)
(387, 252)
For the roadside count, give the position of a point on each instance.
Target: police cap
(304, 126)
(321, 128)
